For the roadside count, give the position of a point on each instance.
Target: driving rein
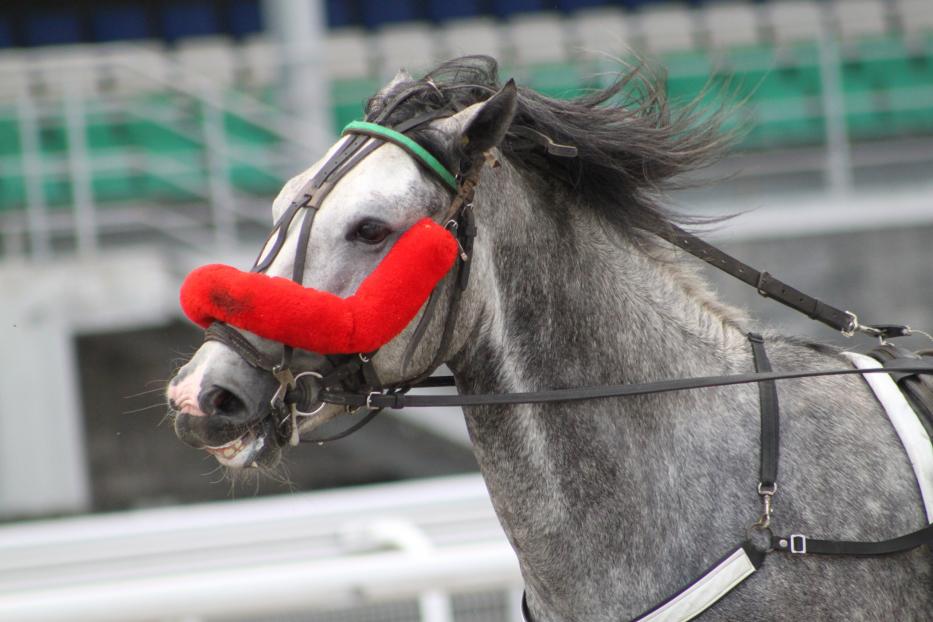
(350, 380)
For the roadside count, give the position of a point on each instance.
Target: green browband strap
(414, 149)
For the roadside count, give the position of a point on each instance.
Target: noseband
(299, 392)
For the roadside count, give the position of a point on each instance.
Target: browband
(414, 149)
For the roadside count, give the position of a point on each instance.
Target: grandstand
(141, 138)
(104, 107)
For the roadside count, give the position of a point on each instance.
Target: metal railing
(86, 218)
(346, 550)
(218, 211)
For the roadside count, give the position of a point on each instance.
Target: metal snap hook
(286, 381)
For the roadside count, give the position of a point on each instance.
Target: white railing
(420, 541)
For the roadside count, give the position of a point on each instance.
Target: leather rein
(351, 380)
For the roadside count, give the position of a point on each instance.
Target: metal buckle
(762, 277)
(854, 327)
(369, 400)
(798, 543)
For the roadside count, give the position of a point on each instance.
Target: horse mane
(631, 147)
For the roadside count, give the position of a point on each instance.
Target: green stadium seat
(240, 131)
(780, 94)
(12, 192)
(121, 184)
(348, 98)
(558, 80)
(254, 180)
(57, 191)
(888, 89)
(9, 134)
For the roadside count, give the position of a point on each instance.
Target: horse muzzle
(233, 425)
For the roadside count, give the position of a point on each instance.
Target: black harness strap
(576, 394)
(770, 418)
(234, 339)
(770, 287)
(800, 544)
(766, 285)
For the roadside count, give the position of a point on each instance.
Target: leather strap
(399, 401)
(770, 417)
(800, 544)
(234, 339)
(767, 285)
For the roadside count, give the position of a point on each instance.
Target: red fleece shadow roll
(284, 311)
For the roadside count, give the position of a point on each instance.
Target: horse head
(341, 284)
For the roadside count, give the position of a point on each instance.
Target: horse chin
(257, 447)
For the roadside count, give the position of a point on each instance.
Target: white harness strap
(729, 572)
(913, 435)
(702, 593)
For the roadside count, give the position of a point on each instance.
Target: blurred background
(141, 138)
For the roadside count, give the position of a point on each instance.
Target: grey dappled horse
(611, 505)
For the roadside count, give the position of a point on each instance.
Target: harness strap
(906, 423)
(369, 416)
(234, 339)
(770, 287)
(770, 418)
(800, 544)
(399, 401)
(707, 589)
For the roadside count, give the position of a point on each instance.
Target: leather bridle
(299, 392)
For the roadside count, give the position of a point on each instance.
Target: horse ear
(401, 77)
(486, 123)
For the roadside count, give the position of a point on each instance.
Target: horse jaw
(241, 452)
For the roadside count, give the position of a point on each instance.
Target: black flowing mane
(631, 147)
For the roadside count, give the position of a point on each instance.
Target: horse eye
(370, 232)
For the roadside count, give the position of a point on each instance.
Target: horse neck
(566, 302)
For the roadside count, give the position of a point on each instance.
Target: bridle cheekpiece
(347, 331)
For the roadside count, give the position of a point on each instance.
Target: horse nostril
(220, 401)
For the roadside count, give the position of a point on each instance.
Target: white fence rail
(419, 541)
